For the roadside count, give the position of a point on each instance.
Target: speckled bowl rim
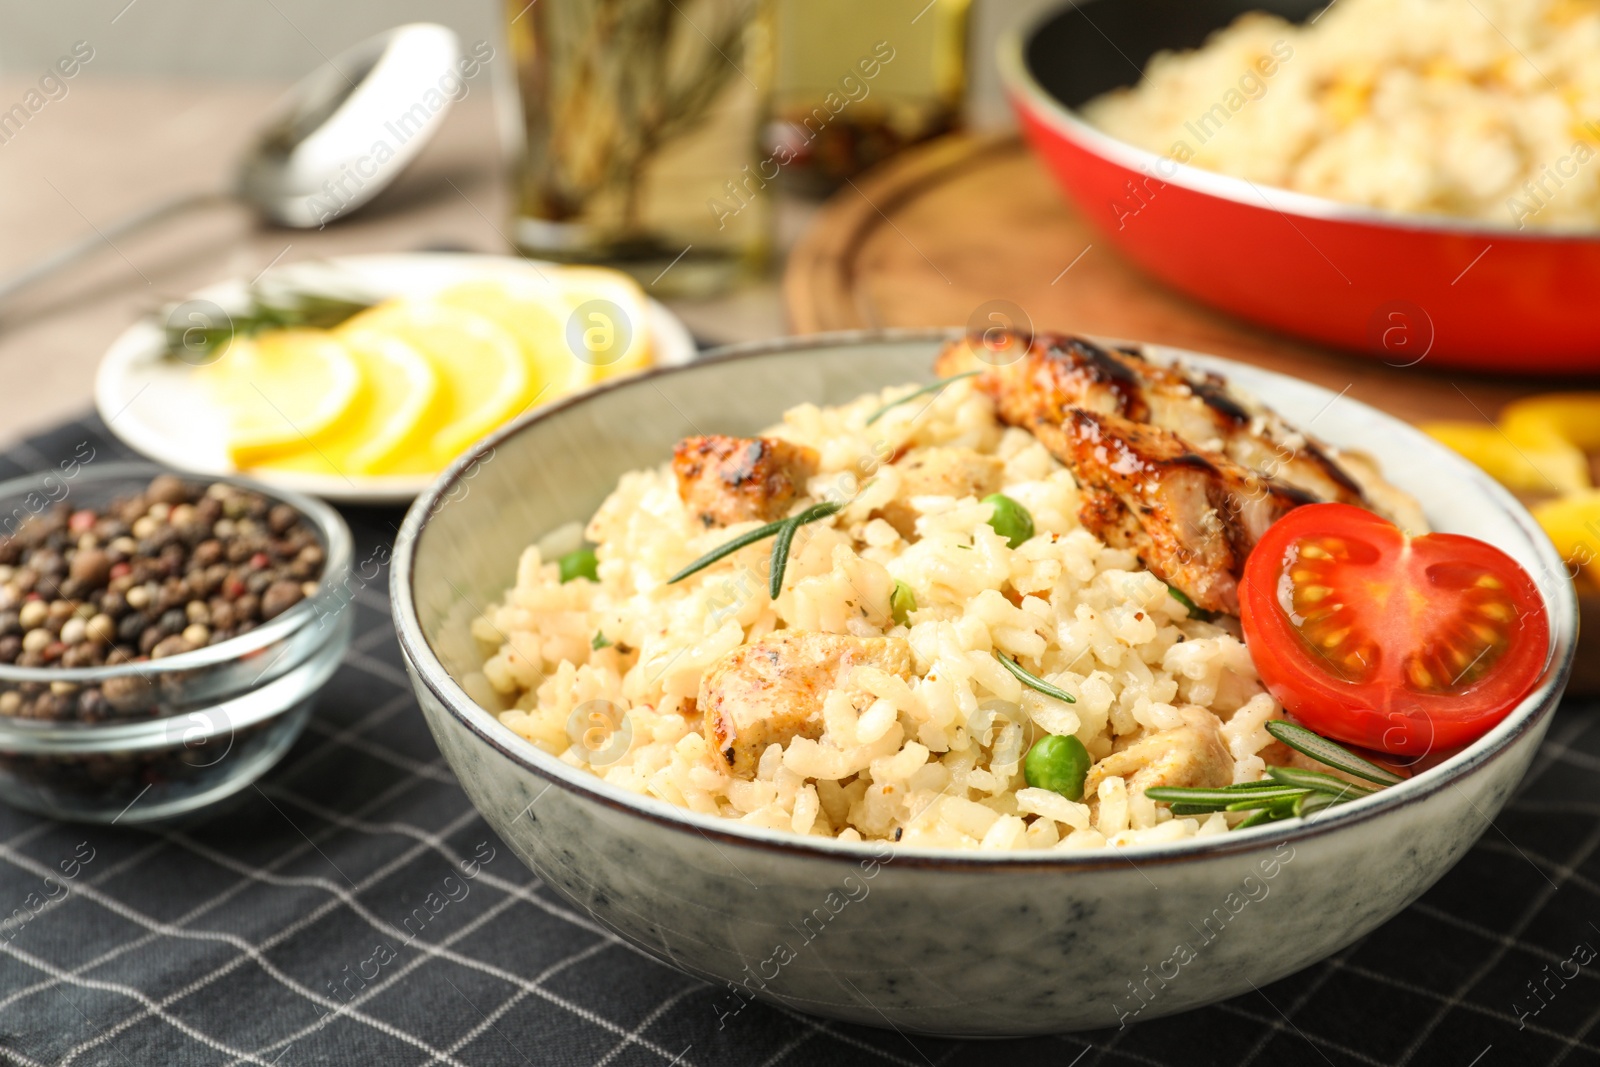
(431, 673)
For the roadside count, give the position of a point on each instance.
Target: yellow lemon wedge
(282, 391)
(483, 377)
(612, 328)
(536, 312)
(389, 428)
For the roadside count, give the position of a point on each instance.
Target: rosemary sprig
(1288, 792)
(924, 391)
(196, 341)
(1032, 681)
(1322, 750)
(761, 533)
(780, 547)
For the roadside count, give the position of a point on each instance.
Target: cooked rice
(936, 762)
(1484, 109)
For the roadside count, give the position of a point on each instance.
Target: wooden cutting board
(966, 227)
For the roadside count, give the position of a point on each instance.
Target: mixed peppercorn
(169, 570)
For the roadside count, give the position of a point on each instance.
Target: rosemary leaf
(1257, 819)
(1322, 750)
(1281, 805)
(1218, 799)
(1312, 803)
(789, 527)
(760, 533)
(924, 391)
(1033, 681)
(1183, 598)
(1318, 782)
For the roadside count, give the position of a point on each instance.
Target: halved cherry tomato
(1396, 643)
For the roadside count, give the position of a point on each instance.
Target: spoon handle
(107, 235)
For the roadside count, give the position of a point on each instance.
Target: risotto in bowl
(935, 705)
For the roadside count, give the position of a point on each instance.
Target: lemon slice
(389, 427)
(613, 329)
(483, 377)
(536, 313)
(281, 392)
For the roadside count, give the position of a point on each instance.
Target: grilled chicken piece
(1171, 464)
(952, 472)
(772, 690)
(1191, 756)
(724, 480)
(1041, 380)
(1192, 517)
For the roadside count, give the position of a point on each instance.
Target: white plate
(157, 408)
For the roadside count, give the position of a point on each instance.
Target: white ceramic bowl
(927, 940)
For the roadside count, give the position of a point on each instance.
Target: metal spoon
(339, 137)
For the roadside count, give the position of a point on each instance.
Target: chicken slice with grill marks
(1037, 379)
(772, 691)
(725, 480)
(1192, 517)
(1170, 463)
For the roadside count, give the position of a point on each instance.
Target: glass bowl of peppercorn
(161, 635)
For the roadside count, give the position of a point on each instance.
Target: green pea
(579, 563)
(902, 602)
(1010, 520)
(1059, 763)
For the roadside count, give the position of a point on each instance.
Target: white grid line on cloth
(1284, 1027)
(1325, 972)
(525, 985)
(373, 600)
(100, 877)
(374, 637)
(216, 901)
(523, 892)
(511, 1001)
(1577, 759)
(247, 951)
(1109, 1049)
(377, 668)
(153, 1010)
(520, 893)
(645, 1023)
(1554, 807)
(788, 1047)
(435, 769)
(1539, 951)
(606, 939)
(822, 1026)
(1578, 1037)
(1541, 897)
(1451, 1002)
(1540, 860)
(343, 737)
(35, 458)
(489, 914)
(300, 848)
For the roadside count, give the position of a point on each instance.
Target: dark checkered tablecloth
(234, 936)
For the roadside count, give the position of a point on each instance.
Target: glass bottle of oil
(857, 80)
(635, 116)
